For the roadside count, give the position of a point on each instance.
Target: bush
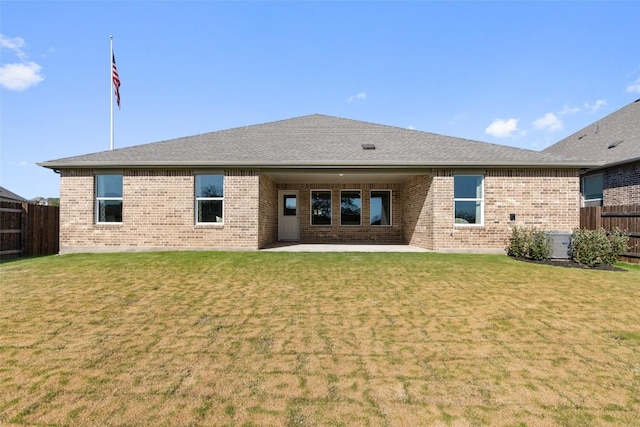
(593, 247)
(533, 244)
(619, 244)
(540, 247)
(519, 243)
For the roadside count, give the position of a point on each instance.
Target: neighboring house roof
(42, 201)
(317, 141)
(612, 140)
(10, 196)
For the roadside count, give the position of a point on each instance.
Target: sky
(520, 73)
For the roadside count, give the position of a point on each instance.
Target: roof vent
(368, 146)
(615, 144)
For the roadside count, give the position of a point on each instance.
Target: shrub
(533, 244)
(519, 243)
(540, 246)
(593, 247)
(619, 244)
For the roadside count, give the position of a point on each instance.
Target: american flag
(116, 79)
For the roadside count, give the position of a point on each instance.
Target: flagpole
(111, 87)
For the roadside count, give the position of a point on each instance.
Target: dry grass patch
(316, 339)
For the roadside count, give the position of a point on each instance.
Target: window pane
(468, 212)
(210, 211)
(290, 205)
(109, 186)
(593, 186)
(321, 208)
(109, 210)
(350, 207)
(380, 208)
(209, 186)
(467, 187)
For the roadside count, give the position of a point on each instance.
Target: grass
(301, 339)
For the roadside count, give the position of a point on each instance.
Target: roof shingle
(10, 195)
(317, 141)
(613, 139)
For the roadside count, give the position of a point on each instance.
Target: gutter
(312, 165)
(612, 165)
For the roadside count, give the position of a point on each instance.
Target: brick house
(614, 143)
(312, 179)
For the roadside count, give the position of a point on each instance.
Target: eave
(57, 165)
(602, 165)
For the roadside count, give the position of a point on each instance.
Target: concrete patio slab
(338, 247)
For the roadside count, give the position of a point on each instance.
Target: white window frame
(203, 199)
(590, 202)
(469, 199)
(311, 207)
(360, 196)
(390, 206)
(99, 199)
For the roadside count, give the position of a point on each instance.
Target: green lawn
(302, 339)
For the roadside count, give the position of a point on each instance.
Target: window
(321, 207)
(350, 207)
(380, 207)
(290, 202)
(592, 189)
(108, 198)
(468, 199)
(209, 199)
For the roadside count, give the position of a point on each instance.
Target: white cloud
(587, 107)
(411, 127)
(595, 106)
(15, 44)
(19, 77)
(502, 128)
(569, 110)
(456, 119)
(360, 96)
(548, 122)
(634, 87)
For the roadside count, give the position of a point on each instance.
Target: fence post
(25, 229)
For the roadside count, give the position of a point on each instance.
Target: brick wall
(546, 199)
(158, 212)
(268, 212)
(417, 210)
(622, 185)
(76, 209)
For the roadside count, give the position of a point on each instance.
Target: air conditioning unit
(560, 244)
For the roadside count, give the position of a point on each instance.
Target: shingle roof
(9, 195)
(613, 139)
(316, 141)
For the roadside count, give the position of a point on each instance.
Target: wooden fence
(28, 230)
(625, 218)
